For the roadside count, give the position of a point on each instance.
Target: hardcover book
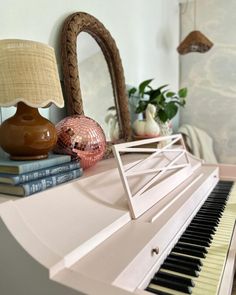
(19, 167)
(35, 186)
(14, 179)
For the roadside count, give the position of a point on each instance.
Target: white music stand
(163, 165)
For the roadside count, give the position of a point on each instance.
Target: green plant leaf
(167, 102)
(181, 102)
(143, 85)
(141, 107)
(183, 92)
(161, 114)
(171, 109)
(170, 94)
(132, 91)
(154, 94)
(163, 86)
(160, 100)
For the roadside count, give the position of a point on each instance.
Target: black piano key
(198, 233)
(171, 285)
(221, 190)
(205, 210)
(218, 196)
(221, 187)
(197, 223)
(174, 278)
(177, 261)
(190, 252)
(216, 201)
(192, 247)
(223, 184)
(220, 193)
(200, 228)
(209, 213)
(156, 291)
(201, 215)
(196, 236)
(205, 221)
(194, 241)
(185, 258)
(180, 269)
(215, 207)
(212, 209)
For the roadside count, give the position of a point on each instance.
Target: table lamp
(29, 80)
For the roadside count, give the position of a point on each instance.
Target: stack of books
(24, 178)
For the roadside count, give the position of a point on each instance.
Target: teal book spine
(15, 179)
(20, 167)
(32, 187)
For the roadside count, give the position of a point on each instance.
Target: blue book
(14, 179)
(19, 167)
(35, 186)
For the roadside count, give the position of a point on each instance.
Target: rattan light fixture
(195, 40)
(28, 79)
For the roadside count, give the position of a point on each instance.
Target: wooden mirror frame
(82, 22)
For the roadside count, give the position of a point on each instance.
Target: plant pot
(165, 128)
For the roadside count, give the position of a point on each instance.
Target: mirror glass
(96, 85)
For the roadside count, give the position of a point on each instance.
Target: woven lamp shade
(195, 42)
(28, 73)
(28, 79)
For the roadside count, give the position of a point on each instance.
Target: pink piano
(152, 220)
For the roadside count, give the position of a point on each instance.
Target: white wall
(211, 76)
(146, 32)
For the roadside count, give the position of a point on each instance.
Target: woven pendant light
(195, 40)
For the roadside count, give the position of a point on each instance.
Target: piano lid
(166, 165)
(70, 220)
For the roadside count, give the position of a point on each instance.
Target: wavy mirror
(93, 76)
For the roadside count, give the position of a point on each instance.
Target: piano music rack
(165, 166)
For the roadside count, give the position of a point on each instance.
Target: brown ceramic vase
(27, 135)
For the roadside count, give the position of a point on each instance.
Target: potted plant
(167, 102)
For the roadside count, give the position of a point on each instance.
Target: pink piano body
(108, 232)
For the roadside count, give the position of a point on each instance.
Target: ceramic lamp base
(27, 135)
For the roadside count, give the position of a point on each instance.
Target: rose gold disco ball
(82, 138)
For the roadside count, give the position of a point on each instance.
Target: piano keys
(210, 265)
(160, 212)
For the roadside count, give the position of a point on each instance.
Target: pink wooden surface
(81, 234)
